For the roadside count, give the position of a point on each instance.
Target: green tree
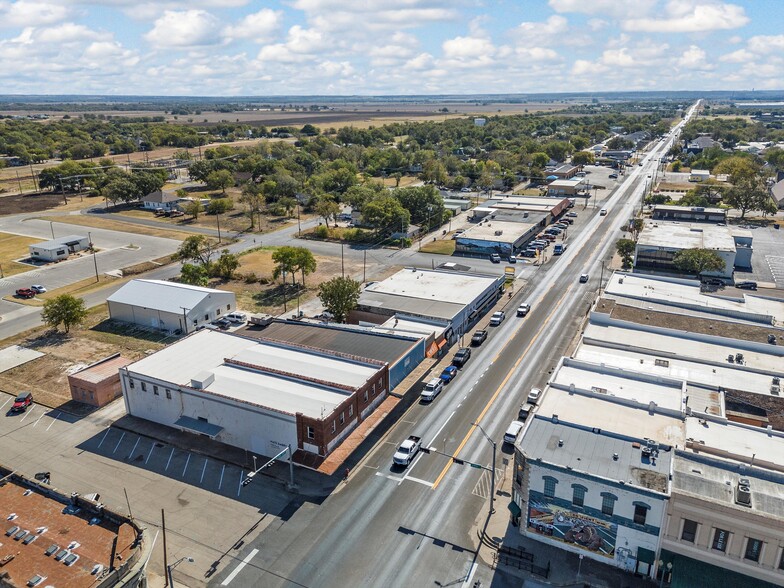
(635, 227)
(64, 310)
(286, 259)
(626, 248)
(220, 180)
(327, 209)
(197, 248)
(195, 275)
(120, 190)
(385, 214)
(582, 158)
(747, 193)
(225, 266)
(339, 296)
(192, 207)
(288, 204)
(397, 176)
(739, 168)
(220, 206)
(305, 262)
(253, 199)
(698, 261)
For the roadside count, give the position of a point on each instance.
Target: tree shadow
(277, 295)
(51, 338)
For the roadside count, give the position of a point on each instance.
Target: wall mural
(575, 528)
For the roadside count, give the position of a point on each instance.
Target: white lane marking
(4, 403)
(166, 469)
(27, 414)
(39, 418)
(105, 435)
(116, 447)
(470, 575)
(441, 429)
(223, 469)
(187, 461)
(239, 485)
(149, 455)
(239, 567)
(53, 420)
(135, 445)
(398, 479)
(204, 469)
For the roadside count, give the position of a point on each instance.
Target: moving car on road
(583, 278)
(603, 212)
(407, 451)
(523, 309)
(747, 285)
(478, 337)
(495, 258)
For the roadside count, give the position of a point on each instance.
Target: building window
(578, 497)
(720, 537)
(373, 391)
(217, 311)
(350, 410)
(753, 549)
(608, 503)
(311, 433)
(662, 363)
(168, 394)
(365, 396)
(144, 387)
(155, 390)
(334, 426)
(549, 486)
(131, 384)
(342, 417)
(781, 560)
(228, 307)
(689, 532)
(640, 513)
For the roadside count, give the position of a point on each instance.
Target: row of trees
(200, 262)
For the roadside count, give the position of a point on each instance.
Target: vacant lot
(439, 247)
(116, 225)
(14, 247)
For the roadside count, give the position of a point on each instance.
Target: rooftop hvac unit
(775, 390)
(743, 493)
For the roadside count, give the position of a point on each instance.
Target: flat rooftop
(411, 327)
(208, 351)
(716, 482)
(676, 235)
(353, 341)
(47, 521)
(639, 423)
(680, 293)
(736, 442)
(489, 230)
(101, 370)
(621, 383)
(696, 209)
(597, 452)
(523, 201)
(569, 183)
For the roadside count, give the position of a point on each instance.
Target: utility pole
(342, 264)
(217, 220)
(364, 266)
(35, 182)
(61, 188)
(19, 181)
(95, 261)
(165, 554)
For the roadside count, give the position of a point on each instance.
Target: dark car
(748, 285)
(22, 401)
(448, 374)
(713, 282)
(25, 293)
(461, 357)
(222, 323)
(478, 338)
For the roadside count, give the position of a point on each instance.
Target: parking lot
(208, 512)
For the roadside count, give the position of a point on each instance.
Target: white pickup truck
(407, 450)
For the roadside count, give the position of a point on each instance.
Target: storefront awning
(646, 555)
(514, 508)
(198, 427)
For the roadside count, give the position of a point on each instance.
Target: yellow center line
(500, 387)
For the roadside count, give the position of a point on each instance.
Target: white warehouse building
(169, 306)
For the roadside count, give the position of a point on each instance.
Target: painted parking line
(116, 447)
(135, 445)
(204, 469)
(53, 420)
(27, 414)
(166, 469)
(239, 485)
(4, 403)
(223, 469)
(239, 567)
(105, 435)
(187, 461)
(149, 455)
(39, 418)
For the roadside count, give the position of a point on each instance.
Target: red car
(25, 293)
(23, 400)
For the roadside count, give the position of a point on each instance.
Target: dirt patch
(15, 204)
(116, 225)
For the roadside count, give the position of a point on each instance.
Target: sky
(387, 47)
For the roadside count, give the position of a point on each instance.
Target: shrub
(322, 232)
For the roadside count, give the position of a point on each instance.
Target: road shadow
(436, 541)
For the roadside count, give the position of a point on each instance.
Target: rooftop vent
(615, 457)
(743, 492)
(560, 442)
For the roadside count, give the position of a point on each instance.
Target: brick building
(99, 383)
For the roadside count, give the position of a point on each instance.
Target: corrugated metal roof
(162, 295)
(98, 372)
(352, 341)
(59, 242)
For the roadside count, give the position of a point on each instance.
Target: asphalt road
(392, 527)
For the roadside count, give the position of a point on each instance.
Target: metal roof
(361, 343)
(163, 296)
(59, 242)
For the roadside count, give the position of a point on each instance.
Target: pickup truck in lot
(407, 451)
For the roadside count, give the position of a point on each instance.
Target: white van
(237, 317)
(512, 432)
(431, 390)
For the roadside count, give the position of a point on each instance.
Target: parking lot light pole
(169, 569)
(492, 474)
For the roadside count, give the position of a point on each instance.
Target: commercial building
(401, 350)
(260, 396)
(659, 242)
(564, 172)
(169, 306)
(51, 539)
(699, 175)
(492, 235)
(551, 208)
(59, 248)
(694, 214)
(99, 383)
(458, 298)
(566, 187)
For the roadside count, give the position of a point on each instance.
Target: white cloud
(687, 17)
(178, 30)
(766, 44)
(467, 48)
(735, 39)
(612, 8)
(597, 24)
(739, 56)
(542, 32)
(259, 26)
(108, 53)
(25, 13)
(694, 58)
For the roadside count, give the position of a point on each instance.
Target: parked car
(38, 288)
(495, 258)
(747, 285)
(603, 212)
(344, 216)
(176, 213)
(583, 278)
(448, 374)
(22, 401)
(533, 395)
(512, 259)
(237, 317)
(222, 323)
(465, 189)
(461, 357)
(431, 390)
(497, 318)
(523, 309)
(25, 293)
(513, 432)
(559, 249)
(529, 253)
(478, 337)
(713, 282)
(571, 214)
(614, 176)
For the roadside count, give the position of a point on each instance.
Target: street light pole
(492, 474)
(51, 226)
(169, 569)
(95, 261)
(217, 220)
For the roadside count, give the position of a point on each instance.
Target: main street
(387, 527)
